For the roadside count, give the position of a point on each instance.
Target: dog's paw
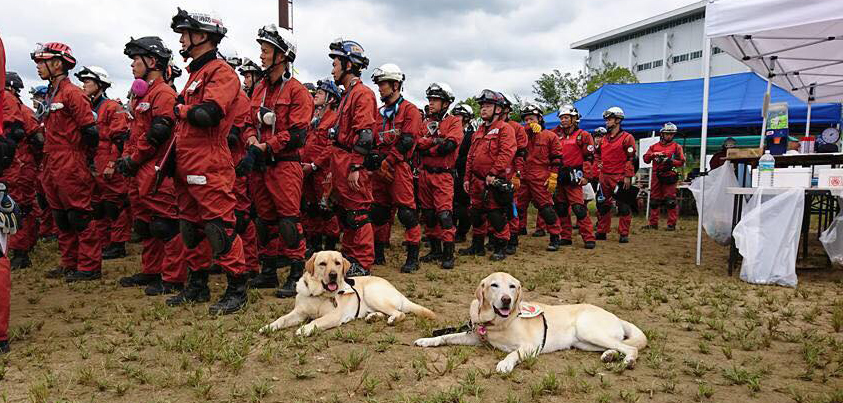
(427, 342)
(629, 362)
(609, 356)
(505, 366)
(266, 329)
(374, 316)
(305, 330)
(395, 318)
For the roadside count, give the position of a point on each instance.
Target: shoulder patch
(529, 310)
(630, 149)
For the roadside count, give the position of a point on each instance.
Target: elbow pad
(159, 131)
(90, 135)
(365, 142)
(446, 148)
(120, 140)
(298, 137)
(233, 137)
(521, 152)
(405, 143)
(15, 131)
(205, 115)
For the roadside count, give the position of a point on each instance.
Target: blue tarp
(735, 101)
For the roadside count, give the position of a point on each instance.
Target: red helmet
(54, 49)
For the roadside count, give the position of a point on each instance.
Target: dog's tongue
(332, 286)
(504, 311)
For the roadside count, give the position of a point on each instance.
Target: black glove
(7, 152)
(247, 164)
(126, 167)
(233, 139)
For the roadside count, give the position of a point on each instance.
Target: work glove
(247, 164)
(535, 127)
(9, 213)
(386, 171)
(126, 167)
(551, 182)
(516, 182)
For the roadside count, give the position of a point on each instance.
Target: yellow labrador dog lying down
(499, 317)
(327, 297)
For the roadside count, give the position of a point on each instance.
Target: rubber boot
(500, 249)
(288, 290)
(161, 287)
(195, 291)
(20, 259)
(476, 249)
(330, 243)
(600, 236)
(412, 262)
(553, 246)
(512, 245)
(448, 256)
(234, 298)
(115, 250)
(139, 280)
(590, 245)
(380, 259)
(268, 277)
(539, 233)
(435, 253)
(623, 239)
(80, 275)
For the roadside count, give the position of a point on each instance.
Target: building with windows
(665, 47)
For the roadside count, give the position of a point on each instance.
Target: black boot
(20, 259)
(59, 272)
(80, 275)
(330, 243)
(356, 269)
(500, 249)
(490, 243)
(161, 287)
(412, 262)
(115, 250)
(4, 347)
(288, 290)
(522, 231)
(138, 280)
(314, 244)
(565, 242)
(553, 246)
(196, 290)
(623, 239)
(234, 298)
(600, 236)
(539, 233)
(459, 238)
(590, 244)
(670, 228)
(435, 253)
(380, 259)
(448, 256)
(512, 245)
(476, 249)
(268, 277)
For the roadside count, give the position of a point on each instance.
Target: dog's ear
(345, 266)
(518, 294)
(481, 309)
(480, 292)
(309, 266)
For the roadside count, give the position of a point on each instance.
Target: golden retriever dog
(523, 329)
(329, 299)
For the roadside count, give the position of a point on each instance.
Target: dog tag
(529, 310)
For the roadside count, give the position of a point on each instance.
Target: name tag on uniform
(56, 106)
(493, 131)
(193, 85)
(197, 180)
(142, 107)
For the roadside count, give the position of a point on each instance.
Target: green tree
(555, 89)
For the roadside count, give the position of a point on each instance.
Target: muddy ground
(711, 337)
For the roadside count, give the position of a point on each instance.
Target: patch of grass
(549, 385)
(742, 376)
(352, 361)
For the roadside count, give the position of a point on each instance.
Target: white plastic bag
(587, 192)
(717, 212)
(768, 237)
(832, 240)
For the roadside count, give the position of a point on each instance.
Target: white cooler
(830, 178)
(787, 178)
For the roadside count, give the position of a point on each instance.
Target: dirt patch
(712, 338)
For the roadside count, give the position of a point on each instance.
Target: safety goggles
(489, 97)
(42, 52)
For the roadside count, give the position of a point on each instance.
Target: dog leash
(481, 330)
(357, 294)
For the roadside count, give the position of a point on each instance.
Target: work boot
(59, 272)
(476, 249)
(196, 290)
(412, 262)
(380, 259)
(500, 249)
(522, 231)
(623, 239)
(80, 275)
(435, 253)
(576, 227)
(590, 244)
(4, 346)
(539, 233)
(650, 226)
(490, 243)
(268, 276)
(288, 290)
(459, 238)
(161, 287)
(356, 269)
(20, 259)
(512, 245)
(600, 236)
(553, 246)
(114, 250)
(330, 243)
(138, 280)
(565, 242)
(670, 228)
(448, 256)
(234, 298)
(314, 244)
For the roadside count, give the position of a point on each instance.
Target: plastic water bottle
(766, 167)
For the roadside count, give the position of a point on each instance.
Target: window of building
(696, 55)
(716, 50)
(658, 63)
(651, 30)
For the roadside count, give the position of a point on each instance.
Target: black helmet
(491, 97)
(184, 20)
(151, 46)
(14, 81)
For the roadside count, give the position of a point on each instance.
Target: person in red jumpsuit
(617, 152)
(593, 169)
(71, 136)
(204, 170)
(320, 225)
(666, 156)
(276, 128)
(354, 140)
(487, 172)
(462, 202)
(517, 170)
(251, 74)
(110, 196)
(20, 126)
(153, 199)
(544, 154)
(577, 154)
(392, 182)
(438, 149)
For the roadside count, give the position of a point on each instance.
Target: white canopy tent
(797, 44)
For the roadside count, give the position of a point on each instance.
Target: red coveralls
(112, 122)
(616, 154)
(21, 178)
(662, 194)
(544, 151)
(358, 111)
(491, 153)
(518, 168)
(577, 150)
(278, 196)
(159, 256)
(390, 195)
(5, 266)
(204, 178)
(245, 225)
(318, 150)
(68, 183)
(436, 179)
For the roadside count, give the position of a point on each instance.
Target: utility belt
(668, 177)
(439, 170)
(342, 147)
(569, 176)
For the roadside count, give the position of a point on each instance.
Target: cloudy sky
(470, 44)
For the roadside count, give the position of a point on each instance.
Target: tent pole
(808, 121)
(764, 112)
(703, 141)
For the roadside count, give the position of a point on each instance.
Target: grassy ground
(712, 338)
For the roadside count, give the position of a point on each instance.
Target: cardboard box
(744, 153)
(830, 178)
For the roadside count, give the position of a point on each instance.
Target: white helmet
(613, 112)
(95, 73)
(568, 109)
(281, 39)
(669, 128)
(388, 72)
(442, 91)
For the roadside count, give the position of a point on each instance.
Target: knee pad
(142, 229)
(263, 229)
(655, 204)
(548, 214)
(289, 230)
(163, 228)
(561, 209)
(580, 211)
(215, 231)
(98, 212)
(498, 219)
(62, 221)
(446, 219)
(670, 203)
(476, 218)
(190, 234)
(79, 219)
(429, 217)
(408, 217)
(624, 210)
(380, 214)
(242, 222)
(604, 208)
(112, 210)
